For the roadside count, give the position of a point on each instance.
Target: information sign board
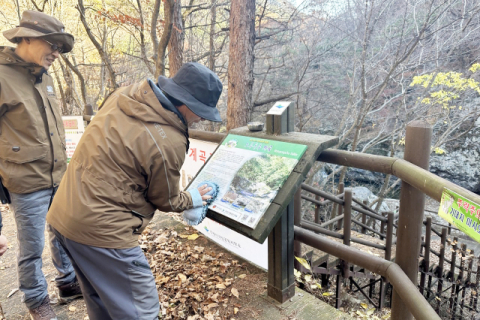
(461, 212)
(233, 241)
(74, 129)
(249, 171)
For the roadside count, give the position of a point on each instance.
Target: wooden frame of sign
(315, 145)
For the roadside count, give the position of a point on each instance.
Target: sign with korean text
(461, 212)
(74, 129)
(233, 241)
(249, 172)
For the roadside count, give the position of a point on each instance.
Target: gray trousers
(117, 284)
(30, 211)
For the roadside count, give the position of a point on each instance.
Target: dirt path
(13, 307)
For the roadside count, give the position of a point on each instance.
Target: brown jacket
(126, 165)
(32, 138)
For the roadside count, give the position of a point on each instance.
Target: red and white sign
(74, 129)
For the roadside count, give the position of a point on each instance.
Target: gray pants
(30, 211)
(117, 284)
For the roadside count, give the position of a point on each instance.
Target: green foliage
(269, 169)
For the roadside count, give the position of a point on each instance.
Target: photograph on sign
(250, 172)
(461, 212)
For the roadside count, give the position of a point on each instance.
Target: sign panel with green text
(461, 212)
(249, 172)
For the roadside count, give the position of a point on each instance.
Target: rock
(364, 194)
(460, 164)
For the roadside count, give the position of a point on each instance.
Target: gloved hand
(200, 203)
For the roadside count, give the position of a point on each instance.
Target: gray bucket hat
(36, 24)
(197, 87)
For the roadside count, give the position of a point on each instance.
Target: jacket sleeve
(3, 107)
(164, 184)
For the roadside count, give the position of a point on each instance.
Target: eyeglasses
(55, 47)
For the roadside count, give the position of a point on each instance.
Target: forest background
(357, 69)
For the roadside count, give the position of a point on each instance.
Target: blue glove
(196, 215)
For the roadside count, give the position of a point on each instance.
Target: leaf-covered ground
(196, 279)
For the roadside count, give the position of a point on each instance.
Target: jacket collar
(9, 57)
(167, 104)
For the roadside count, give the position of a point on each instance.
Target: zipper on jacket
(141, 264)
(47, 132)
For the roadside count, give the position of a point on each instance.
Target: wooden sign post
(247, 212)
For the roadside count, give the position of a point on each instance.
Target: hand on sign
(203, 190)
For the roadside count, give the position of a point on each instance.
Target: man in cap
(32, 152)
(126, 166)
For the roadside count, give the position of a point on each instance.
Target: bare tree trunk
(168, 6)
(175, 46)
(213, 21)
(68, 89)
(62, 93)
(153, 29)
(97, 45)
(74, 68)
(142, 39)
(240, 62)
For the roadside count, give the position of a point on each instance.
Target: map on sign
(461, 212)
(250, 172)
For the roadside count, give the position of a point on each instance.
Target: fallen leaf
(242, 276)
(303, 262)
(72, 308)
(370, 311)
(297, 273)
(235, 292)
(212, 305)
(182, 277)
(193, 236)
(197, 297)
(326, 294)
(364, 305)
(220, 286)
(308, 278)
(161, 238)
(206, 257)
(235, 310)
(317, 285)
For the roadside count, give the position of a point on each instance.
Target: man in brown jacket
(126, 166)
(32, 152)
